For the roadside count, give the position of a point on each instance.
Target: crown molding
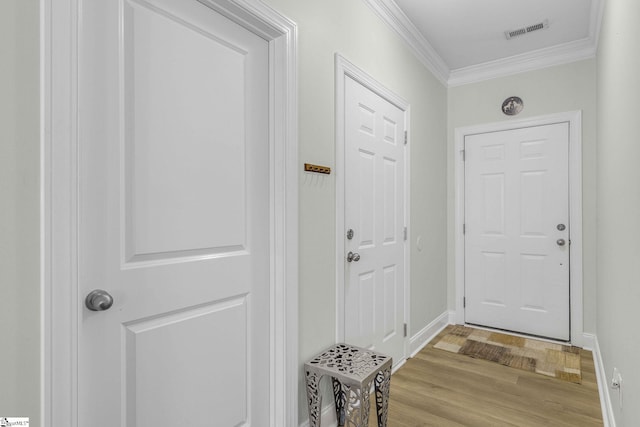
(565, 53)
(530, 61)
(535, 60)
(393, 16)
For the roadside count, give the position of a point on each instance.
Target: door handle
(98, 300)
(351, 256)
(560, 242)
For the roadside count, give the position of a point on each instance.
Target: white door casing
(516, 230)
(372, 297)
(202, 268)
(573, 119)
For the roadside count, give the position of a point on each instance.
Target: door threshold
(518, 334)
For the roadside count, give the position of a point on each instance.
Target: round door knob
(98, 300)
(352, 256)
(560, 242)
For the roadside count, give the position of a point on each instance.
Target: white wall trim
(344, 68)
(565, 53)
(59, 149)
(530, 61)
(59, 28)
(608, 416)
(574, 118)
(396, 19)
(429, 332)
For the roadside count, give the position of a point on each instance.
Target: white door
(374, 210)
(173, 218)
(517, 230)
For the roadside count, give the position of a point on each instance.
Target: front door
(375, 214)
(517, 230)
(173, 217)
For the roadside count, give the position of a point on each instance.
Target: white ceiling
(464, 40)
(471, 32)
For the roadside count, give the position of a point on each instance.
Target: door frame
(343, 69)
(574, 119)
(59, 145)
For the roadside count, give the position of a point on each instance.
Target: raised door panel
(365, 198)
(180, 364)
(184, 154)
(389, 305)
(492, 199)
(390, 200)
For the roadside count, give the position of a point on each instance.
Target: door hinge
(464, 302)
(405, 233)
(405, 330)
(464, 228)
(406, 137)
(464, 155)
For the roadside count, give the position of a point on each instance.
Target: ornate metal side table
(352, 371)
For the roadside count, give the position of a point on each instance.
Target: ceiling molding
(393, 16)
(530, 61)
(535, 60)
(565, 53)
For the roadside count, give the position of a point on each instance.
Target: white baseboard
(422, 338)
(603, 385)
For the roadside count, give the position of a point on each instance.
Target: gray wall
(552, 90)
(19, 211)
(353, 30)
(350, 28)
(619, 202)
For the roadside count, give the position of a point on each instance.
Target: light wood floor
(438, 388)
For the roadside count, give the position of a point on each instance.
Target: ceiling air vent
(524, 30)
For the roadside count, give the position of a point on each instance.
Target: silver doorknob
(351, 256)
(560, 242)
(98, 300)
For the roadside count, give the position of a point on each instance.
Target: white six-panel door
(173, 217)
(375, 211)
(517, 230)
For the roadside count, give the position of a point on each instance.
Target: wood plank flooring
(438, 388)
